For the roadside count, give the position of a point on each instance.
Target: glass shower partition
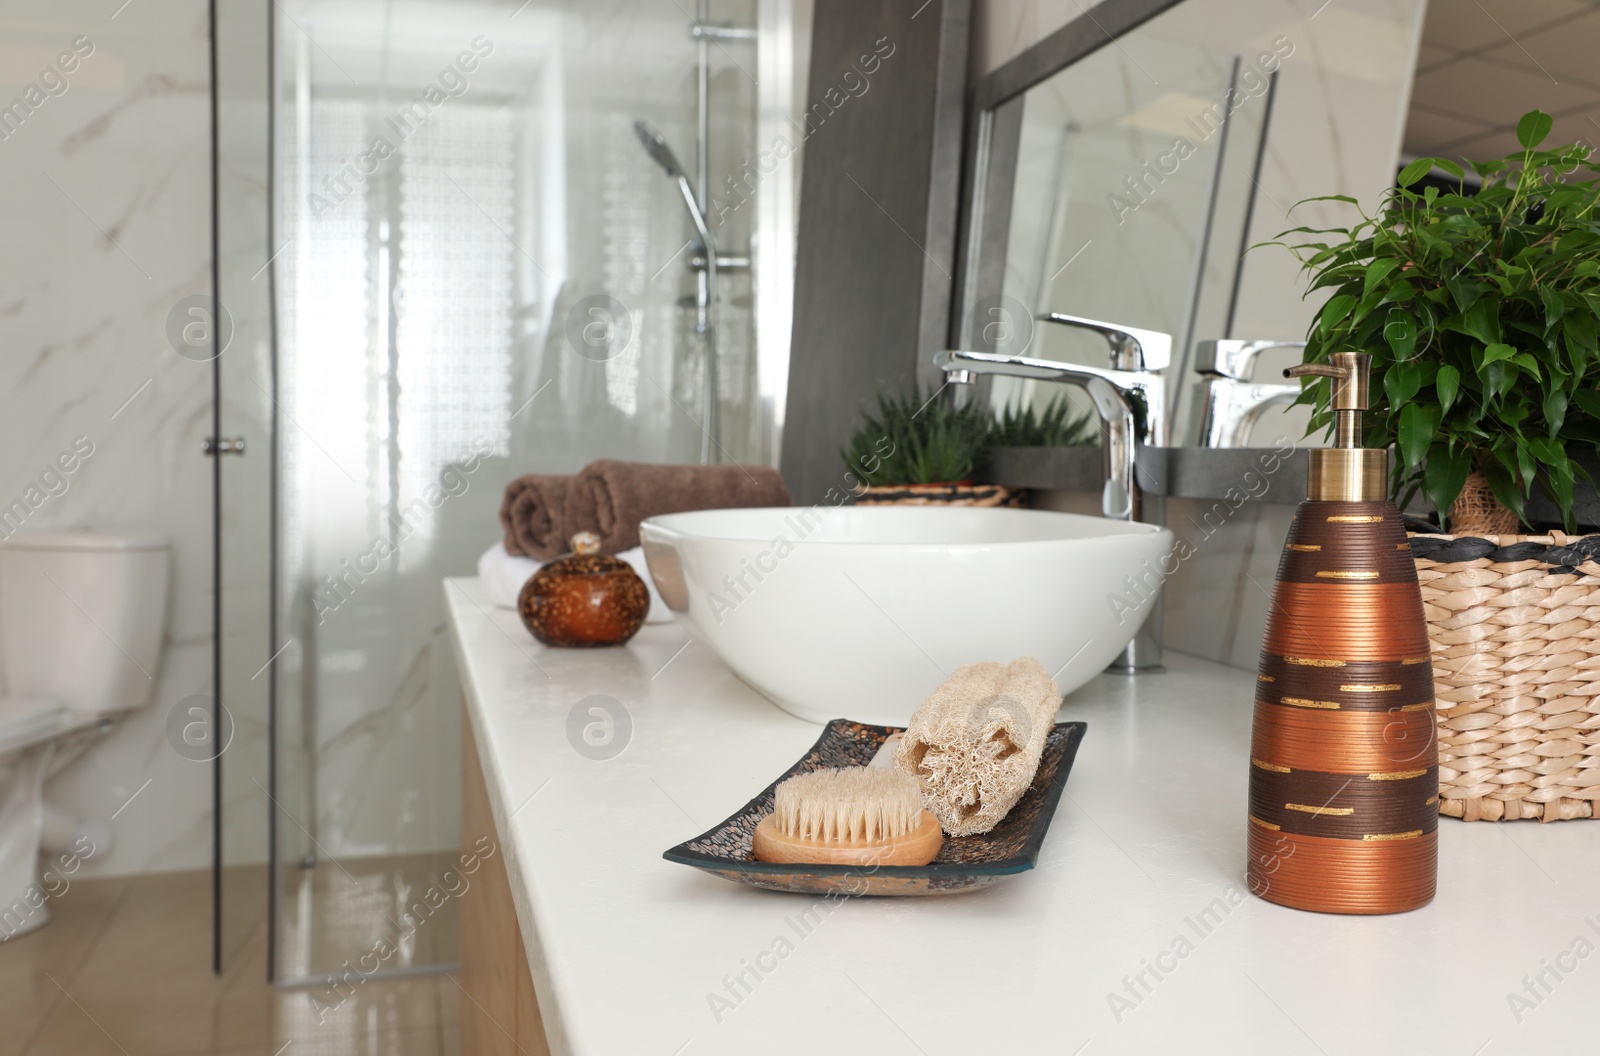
(455, 188)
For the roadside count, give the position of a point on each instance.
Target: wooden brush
(855, 816)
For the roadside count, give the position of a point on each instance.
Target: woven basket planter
(941, 495)
(1514, 622)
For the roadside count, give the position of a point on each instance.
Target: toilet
(81, 622)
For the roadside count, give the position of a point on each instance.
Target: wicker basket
(1514, 622)
(941, 495)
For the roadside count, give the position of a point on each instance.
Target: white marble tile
(106, 221)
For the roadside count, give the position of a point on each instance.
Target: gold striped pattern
(1266, 824)
(1396, 775)
(1336, 812)
(1430, 801)
(1402, 546)
(1382, 687)
(1424, 706)
(1307, 661)
(1365, 573)
(1274, 767)
(1302, 702)
(1415, 660)
(1375, 837)
(1354, 519)
(1306, 548)
(1265, 678)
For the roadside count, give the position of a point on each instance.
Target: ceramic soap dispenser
(1344, 775)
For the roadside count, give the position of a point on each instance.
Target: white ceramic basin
(860, 611)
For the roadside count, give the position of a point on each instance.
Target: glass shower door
(456, 185)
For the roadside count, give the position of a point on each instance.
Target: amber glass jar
(587, 599)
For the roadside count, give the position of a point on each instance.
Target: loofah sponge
(975, 743)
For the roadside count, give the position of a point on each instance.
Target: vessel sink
(859, 612)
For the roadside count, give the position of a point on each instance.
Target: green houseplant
(1479, 311)
(918, 448)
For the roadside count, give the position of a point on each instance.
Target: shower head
(655, 144)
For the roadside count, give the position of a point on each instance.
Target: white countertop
(627, 948)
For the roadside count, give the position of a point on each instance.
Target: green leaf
(1414, 172)
(1503, 484)
(1444, 477)
(1481, 321)
(1578, 328)
(1526, 466)
(1531, 130)
(1418, 423)
(1555, 411)
(1447, 382)
(1449, 166)
(1401, 382)
(1401, 334)
(1495, 353)
(1377, 271)
(1334, 312)
(1558, 481)
(1553, 306)
(1464, 292)
(1588, 401)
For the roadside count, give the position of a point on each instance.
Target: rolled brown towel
(621, 494)
(534, 515)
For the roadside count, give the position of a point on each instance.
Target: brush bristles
(852, 805)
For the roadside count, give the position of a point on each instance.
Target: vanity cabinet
(499, 1013)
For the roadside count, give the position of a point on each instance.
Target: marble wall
(106, 219)
(1336, 128)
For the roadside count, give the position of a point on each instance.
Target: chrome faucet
(1130, 396)
(1131, 399)
(1230, 403)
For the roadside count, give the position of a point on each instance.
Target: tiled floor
(338, 910)
(124, 969)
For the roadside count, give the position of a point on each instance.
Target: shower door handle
(224, 445)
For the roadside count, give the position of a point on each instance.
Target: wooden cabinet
(499, 1012)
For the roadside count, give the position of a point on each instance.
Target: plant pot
(1477, 512)
(1514, 627)
(962, 494)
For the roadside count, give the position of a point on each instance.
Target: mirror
(1123, 168)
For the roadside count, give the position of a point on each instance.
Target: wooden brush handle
(1344, 777)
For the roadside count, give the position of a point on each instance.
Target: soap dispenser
(1344, 774)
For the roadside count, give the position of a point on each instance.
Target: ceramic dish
(965, 863)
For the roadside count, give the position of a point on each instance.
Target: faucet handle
(1131, 347)
(1235, 359)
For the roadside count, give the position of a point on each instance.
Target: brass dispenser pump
(1344, 776)
(1345, 472)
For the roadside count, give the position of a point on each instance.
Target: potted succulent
(917, 449)
(1479, 310)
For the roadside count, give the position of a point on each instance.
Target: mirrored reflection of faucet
(1230, 403)
(1131, 398)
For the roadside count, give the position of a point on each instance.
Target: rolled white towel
(504, 576)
